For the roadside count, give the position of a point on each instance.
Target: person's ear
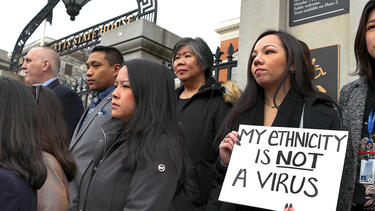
(46, 65)
(116, 69)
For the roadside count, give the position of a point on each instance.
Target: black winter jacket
(199, 121)
(107, 185)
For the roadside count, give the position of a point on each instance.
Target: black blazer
(71, 105)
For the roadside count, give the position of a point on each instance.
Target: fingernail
(238, 143)
(290, 205)
(286, 205)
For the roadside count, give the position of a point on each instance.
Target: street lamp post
(73, 7)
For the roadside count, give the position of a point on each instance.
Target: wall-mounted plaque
(304, 11)
(326, 62)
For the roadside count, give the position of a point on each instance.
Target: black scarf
(288, 115)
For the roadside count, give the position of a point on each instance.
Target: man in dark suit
(103, 66)
(41, 66)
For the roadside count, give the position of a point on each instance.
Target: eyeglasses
(37, 91)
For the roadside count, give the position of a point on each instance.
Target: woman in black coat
(22, 171)
(139, 165)
(279, 93)
(201, 108)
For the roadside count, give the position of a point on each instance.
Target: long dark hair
(300, 76)
(155, 114)
(201, 50)
(52, 130)
(20, 149)
(365, 62)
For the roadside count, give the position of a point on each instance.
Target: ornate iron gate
(147, 9)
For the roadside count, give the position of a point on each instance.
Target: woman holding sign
(278, 93)
(358, 102)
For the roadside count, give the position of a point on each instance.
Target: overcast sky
(186, 18)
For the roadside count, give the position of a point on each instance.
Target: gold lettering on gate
(89, 35)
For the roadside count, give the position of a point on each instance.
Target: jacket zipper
(96, 168)
(110, 150)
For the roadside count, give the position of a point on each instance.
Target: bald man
(41, 66)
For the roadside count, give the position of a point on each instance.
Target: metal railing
(229, 64)
(81, 87)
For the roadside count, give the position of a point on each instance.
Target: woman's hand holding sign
(225, 151)
(226, 146)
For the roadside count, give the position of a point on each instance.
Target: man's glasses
(37, 91)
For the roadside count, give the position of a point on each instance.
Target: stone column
(4, 61)
(142, 39)
(4, 67)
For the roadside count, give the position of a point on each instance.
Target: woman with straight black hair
(139, 165)
(202, 104)
(357, 99)
(278, 93)
(22, 171)
(55, 194)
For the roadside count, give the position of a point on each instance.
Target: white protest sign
(279, 165)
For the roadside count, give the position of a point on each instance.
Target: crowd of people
(143, 144)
